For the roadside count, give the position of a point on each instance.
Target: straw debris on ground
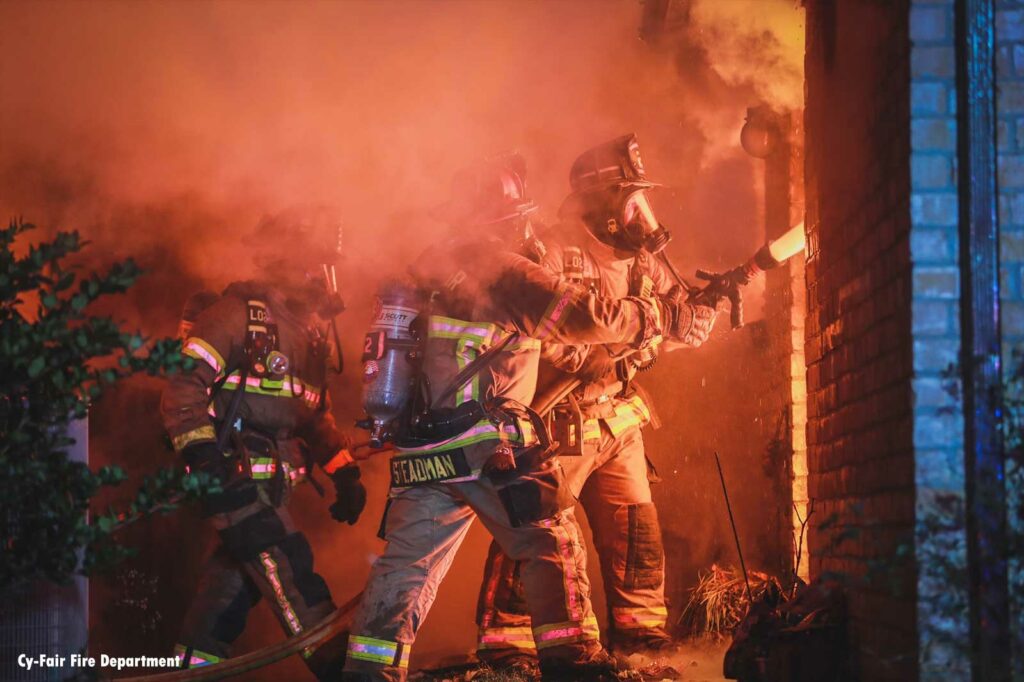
(719, 601)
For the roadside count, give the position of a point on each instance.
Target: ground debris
(801, 639)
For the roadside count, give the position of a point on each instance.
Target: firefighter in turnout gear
(254, 412)
(604, 244)
(473, 448)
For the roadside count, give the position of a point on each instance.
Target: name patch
(409, 470)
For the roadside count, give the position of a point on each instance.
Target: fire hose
(321, 632)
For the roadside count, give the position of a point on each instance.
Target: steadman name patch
(408, 470)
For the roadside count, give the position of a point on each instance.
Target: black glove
(689, 323)
(208, 458)
(350, 495)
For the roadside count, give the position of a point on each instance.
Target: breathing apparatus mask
(641, 229)
(623, 218)
(610, 186)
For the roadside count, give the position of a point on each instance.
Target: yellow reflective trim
(525, 343)
(440, 327)
(284, 389)
(628, 413)
(557, 634)
(640, 616)
(199, 349)
(373, 650)
(204, 432)
(483, 430)
(271, 573)
(555, 315)
(512, 637)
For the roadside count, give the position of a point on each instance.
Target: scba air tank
(389, 359)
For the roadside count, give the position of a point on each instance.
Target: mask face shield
(637, 210)
(641, 225)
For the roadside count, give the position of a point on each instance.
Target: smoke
(756, 43)
(165, 130)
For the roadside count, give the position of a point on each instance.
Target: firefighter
(254, 413)
(604, 243)
(477, 450)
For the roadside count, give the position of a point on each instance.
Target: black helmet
(609, 184)
(298, 249)
(488, 192)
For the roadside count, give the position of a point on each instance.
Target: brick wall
(1010, 152)
(938, 429)
(784, 320)
(859, 342)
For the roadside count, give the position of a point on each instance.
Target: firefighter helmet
(609, 192)
(488, 192)
(298, 249)
(613, 165)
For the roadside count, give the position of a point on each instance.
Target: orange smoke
(164, 130)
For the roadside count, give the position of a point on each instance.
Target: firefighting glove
(601, 363)
(688, 323)
(350, 495)
(207, 457)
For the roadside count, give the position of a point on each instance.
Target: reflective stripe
(198, 658)
(524, 343)
(515, 637)
(201, 350)
(554, 317)
(472, 338)
(482, 333)
(568, 632)
(404, 661)
(204, 432)
(373, 650)
(270, 570)
(265, 467)
(342, 459)
(463, 356)
(288, 387)
(628, 413)
(640, 616)
(481, 431)
(570, 575)
(311, 397)
(592, 429)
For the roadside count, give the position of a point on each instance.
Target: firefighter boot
(599, 666)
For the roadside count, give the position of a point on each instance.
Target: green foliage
(55, 359)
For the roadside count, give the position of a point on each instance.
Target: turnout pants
(424, 527)
(610, 480)
(261, 555)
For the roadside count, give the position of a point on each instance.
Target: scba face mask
(641, 228)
